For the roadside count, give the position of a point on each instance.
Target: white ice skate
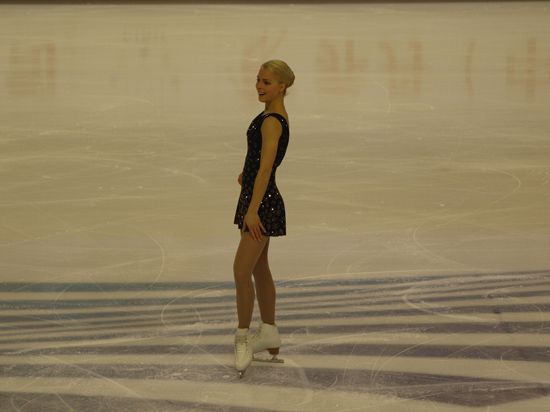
(266, 338)
(243, 353)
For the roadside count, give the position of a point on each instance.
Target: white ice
(420, 146)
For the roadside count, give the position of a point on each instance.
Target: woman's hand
(240, 179)
(254, 224)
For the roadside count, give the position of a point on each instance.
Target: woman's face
(268, 86)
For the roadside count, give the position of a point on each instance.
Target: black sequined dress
(272, 207)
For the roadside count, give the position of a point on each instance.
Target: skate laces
(240, 343)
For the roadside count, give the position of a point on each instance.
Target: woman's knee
(261, 272)
(242, 277)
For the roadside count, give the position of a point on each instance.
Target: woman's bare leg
(248, 253)
(265, 288)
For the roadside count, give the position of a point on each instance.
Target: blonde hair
(281, 70)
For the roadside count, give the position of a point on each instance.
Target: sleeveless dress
(272, 207)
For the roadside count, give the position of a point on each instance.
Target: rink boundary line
(292, 320)
(140, 334)
(427, 273)
(525, 340)
(411, 321)
(361, 349)
(109, 303)
(290, 306)
(340, 279)
(285, 292)
(527, 305)
(284, 314)
(474, 368)
(25, 316)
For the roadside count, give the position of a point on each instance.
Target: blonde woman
(260, 214)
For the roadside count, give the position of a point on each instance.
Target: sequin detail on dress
(272, 207)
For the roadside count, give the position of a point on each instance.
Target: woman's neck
(274, 107)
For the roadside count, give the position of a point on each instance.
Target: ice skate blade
(271, 360)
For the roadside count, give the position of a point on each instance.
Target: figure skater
(260, 214)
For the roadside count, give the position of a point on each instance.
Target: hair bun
(281, 70)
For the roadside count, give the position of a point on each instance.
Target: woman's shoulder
(283, 117)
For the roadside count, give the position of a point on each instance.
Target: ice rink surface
(415, 275)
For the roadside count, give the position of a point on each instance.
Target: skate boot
(243, 352)
(267, 337)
